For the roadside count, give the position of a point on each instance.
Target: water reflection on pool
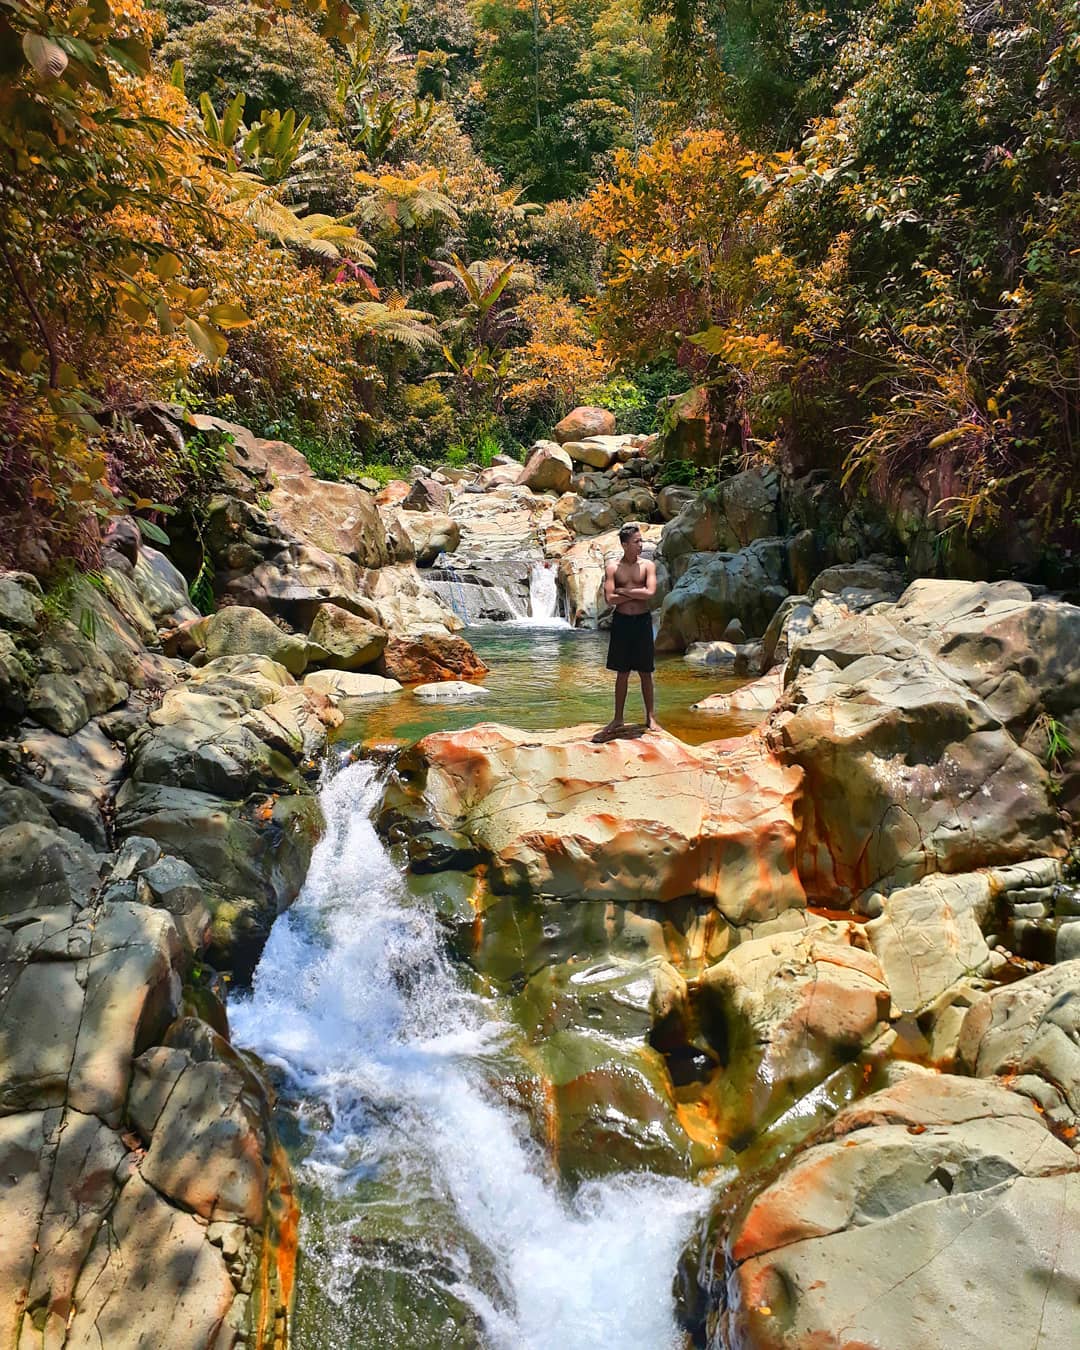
(543, 678)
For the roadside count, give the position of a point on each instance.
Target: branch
(37, 316)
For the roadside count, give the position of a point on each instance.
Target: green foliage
(562, 83)
(280, 65)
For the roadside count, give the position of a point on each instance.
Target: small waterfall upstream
(391, 1063)
(498, 591)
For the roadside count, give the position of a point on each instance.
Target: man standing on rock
(629, 586)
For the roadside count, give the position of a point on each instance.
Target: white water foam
(354, 1002)
(543, 598)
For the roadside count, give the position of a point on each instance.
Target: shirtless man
(629, 586)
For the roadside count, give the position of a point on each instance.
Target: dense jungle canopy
(395, 234)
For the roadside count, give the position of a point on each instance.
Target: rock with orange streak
(897, 1225)
(633, 819)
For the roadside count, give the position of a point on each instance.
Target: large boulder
(505, 523)
(42, 867)
(914, 1204)
(548, 469)
(581, 574)
(644, 819)
(78, 999)
(336, 517)
(583, 422)
(781, 1011)
(597, 453)
(429, 535)
(732, 515)
(404, 605)
(426, 494)
(74, 777)
(240, 630)
(430, 657)
(672, 500)
(882, 735)
(925, 702)
(716, 588)
(593, 517)
(348, 641)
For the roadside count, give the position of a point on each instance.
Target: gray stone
(174, 886)
(349, 641)
(21, 609)
(41, 866)
(240, 630)
(90, 998)
(719, 587)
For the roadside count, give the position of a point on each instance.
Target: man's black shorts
(630, 646)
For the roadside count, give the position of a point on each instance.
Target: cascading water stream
(544, 597)
(392, 1059)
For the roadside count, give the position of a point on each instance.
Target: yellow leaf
(206, 338)
(167, 266)
(228, 316)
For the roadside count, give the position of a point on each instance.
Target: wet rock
(781, 1011)
(349, 642)
(1029, 1033)
(548, 469)
(585, 421)
(440, 851)
(252, 859)
(430, 657)
(21, 609)
(240, 630)
(710, 654)
(636, 819)
(716, 588)
(753, 700)
(15, 680)
(867, 1230)
(449, 691)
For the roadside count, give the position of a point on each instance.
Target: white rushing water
(544, 597)
(354, 1002)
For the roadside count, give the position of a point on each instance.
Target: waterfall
(544, 596)
(391, 1061)
(473, 596)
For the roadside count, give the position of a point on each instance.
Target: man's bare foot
(609, 732)
(653, 725)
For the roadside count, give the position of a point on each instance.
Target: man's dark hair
(627, 532)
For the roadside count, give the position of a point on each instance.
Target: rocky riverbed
(825, 973)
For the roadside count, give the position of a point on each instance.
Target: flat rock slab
(941, 1213)
(632, 819)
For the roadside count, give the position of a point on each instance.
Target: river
(432, 1216)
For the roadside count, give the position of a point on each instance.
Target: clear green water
(545, 678)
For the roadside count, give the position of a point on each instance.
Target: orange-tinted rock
(394, 493)
(584, 422)
(633, 819)
(428, 658)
